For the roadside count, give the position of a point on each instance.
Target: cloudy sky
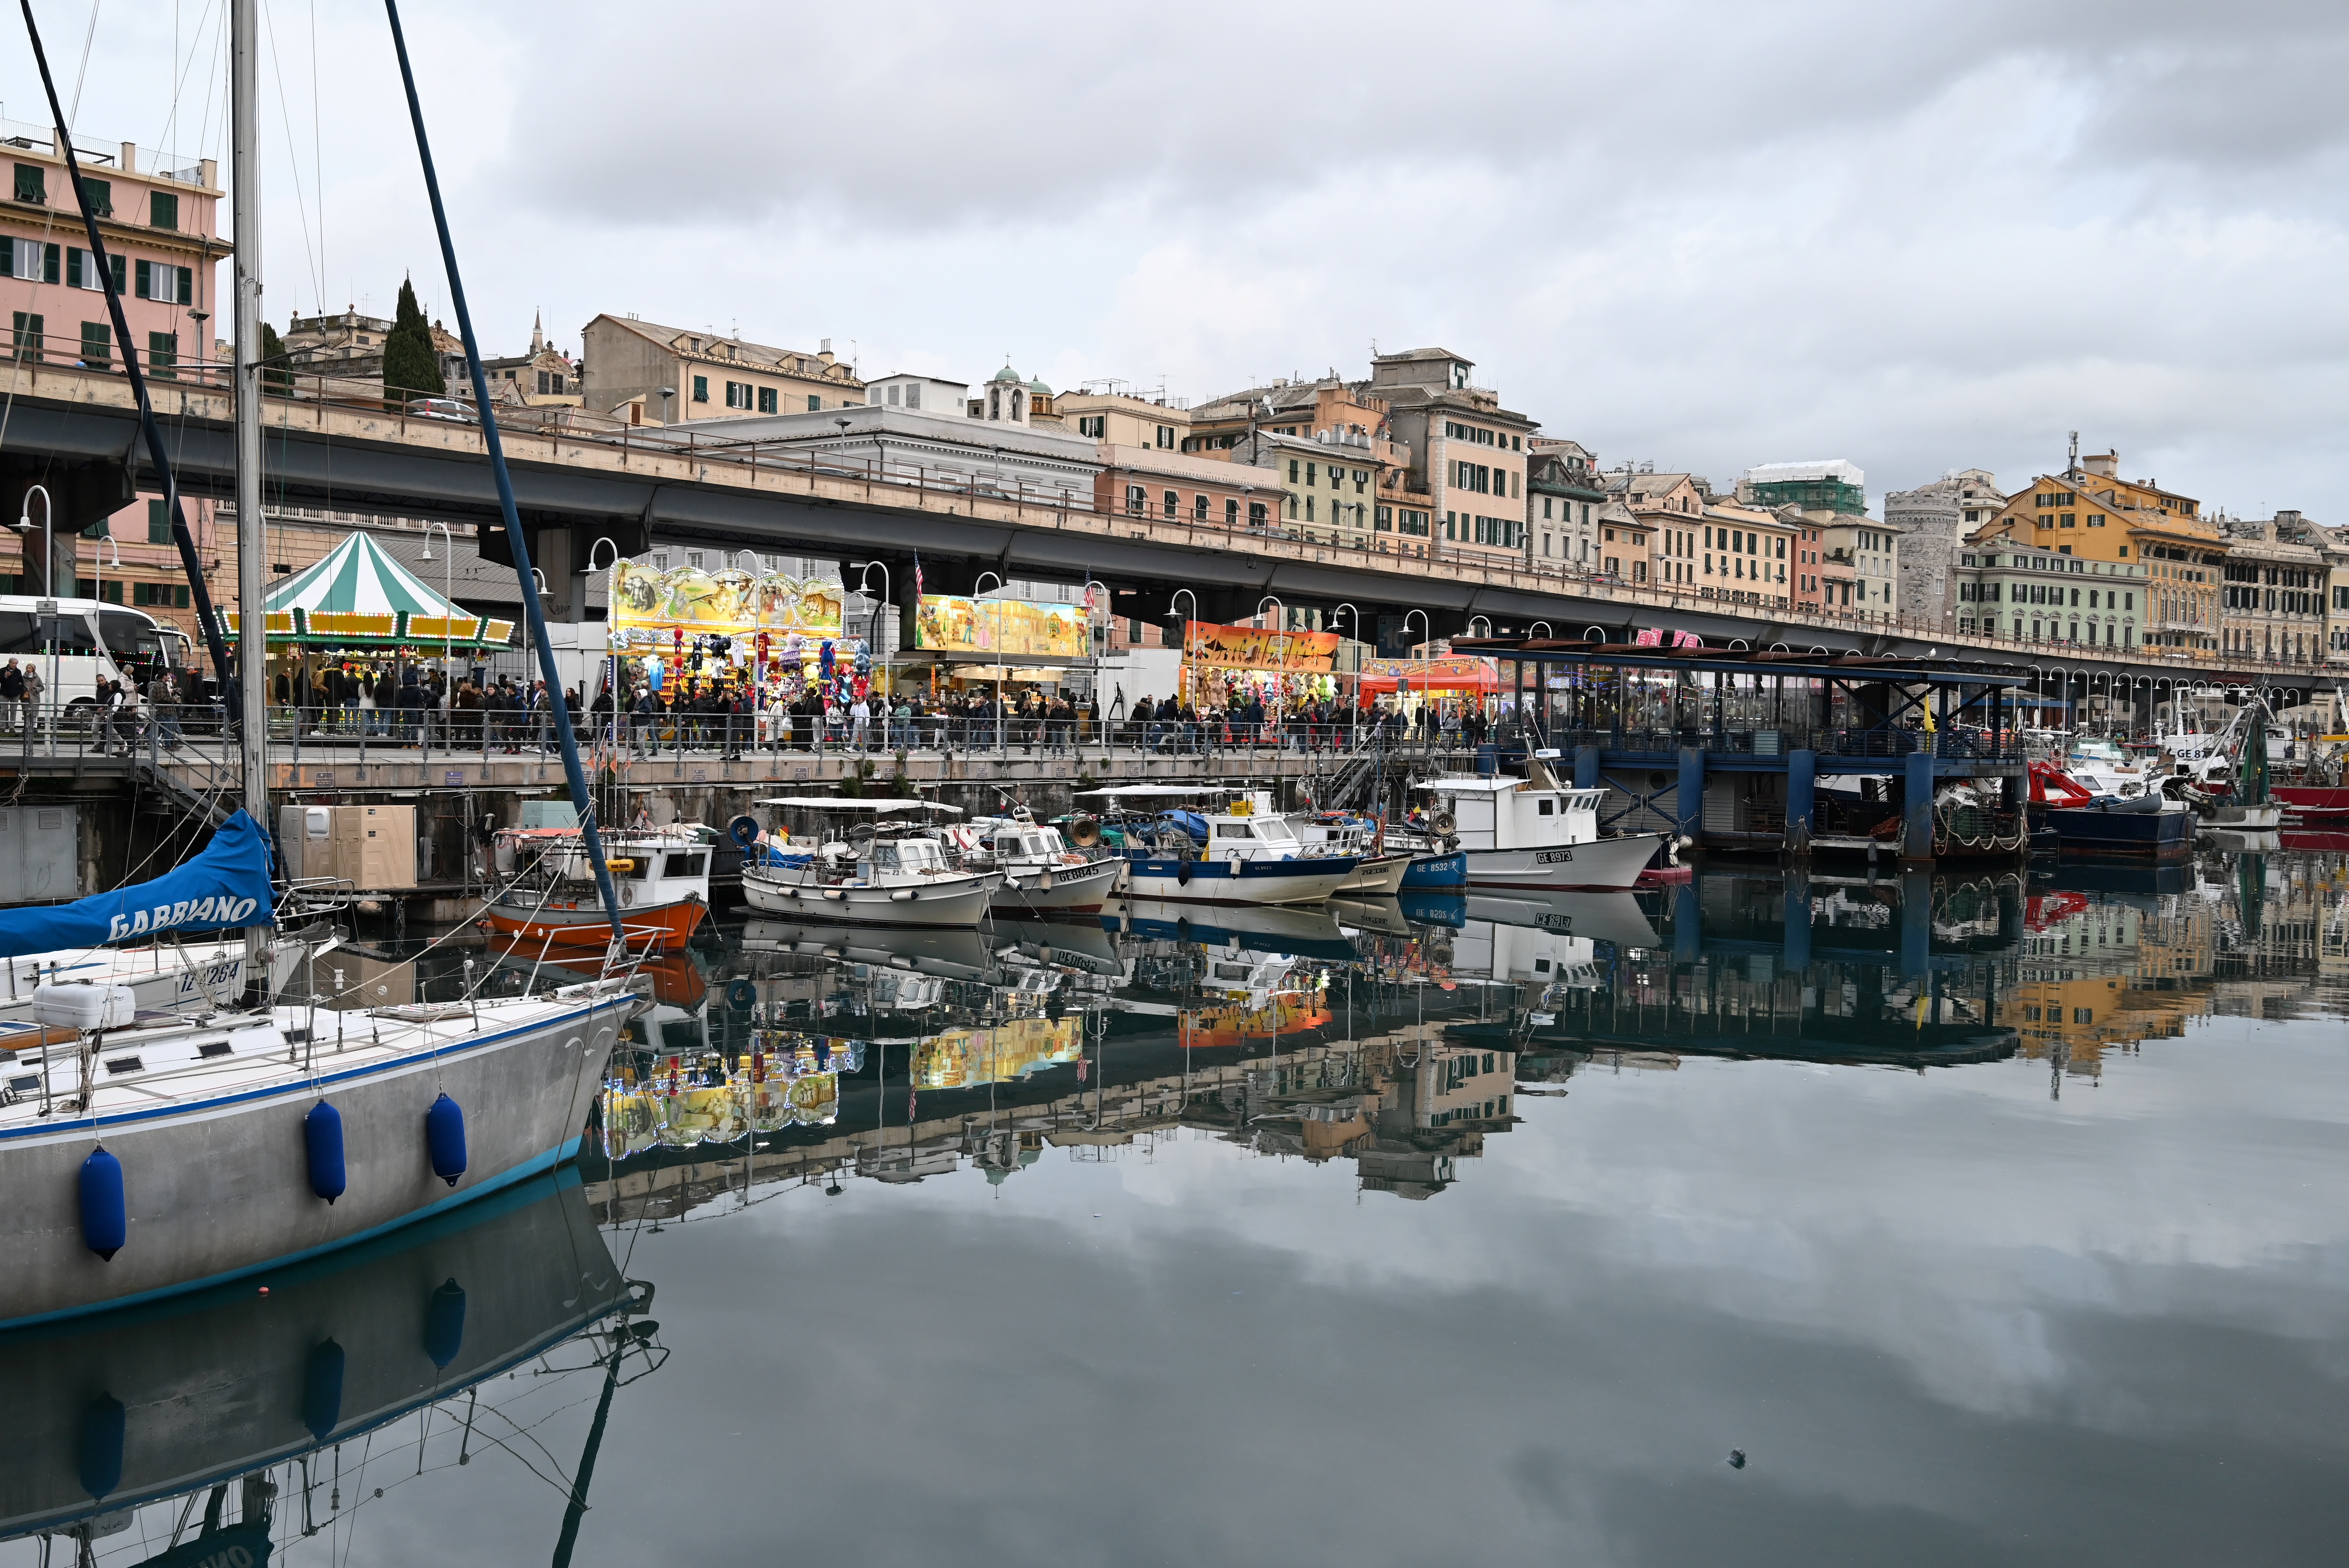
(1918, 237)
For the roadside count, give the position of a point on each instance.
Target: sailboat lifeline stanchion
(534, 613)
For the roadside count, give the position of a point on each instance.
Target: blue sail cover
(224, 887)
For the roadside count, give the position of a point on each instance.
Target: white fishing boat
(201, 972)
(1042, 874)
(1378, 873)
(1534, 834)
(552, 895)
(880, 871)
(1236, 851)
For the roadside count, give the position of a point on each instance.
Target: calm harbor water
(1849, 1221)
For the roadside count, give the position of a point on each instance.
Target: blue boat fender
(742, 994)
(105, 1214)
(321, 1390)
(444, 1324)
(322, 1138)
(743, 830)
(444, 1139)
(99, 1462)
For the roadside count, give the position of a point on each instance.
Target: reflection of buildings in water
(233, 1422)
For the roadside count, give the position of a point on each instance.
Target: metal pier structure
(1775, 752)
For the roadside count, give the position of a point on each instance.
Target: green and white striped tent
(360, 597)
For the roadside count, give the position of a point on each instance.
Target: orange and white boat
(551, 898)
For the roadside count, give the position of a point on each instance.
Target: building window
(701, 388)
(28, 334)
(1137, 500)
(1173, 504)
(1166, 437)
(97, 344)
(1231, 513)
(815, 404)
(767, 403)
(158, 522)
(163, 354)
(162, 210)
(738, 395)
(1198, 508)
(99, 196)
(1292, 470)
(30, 184)
(1094, 426)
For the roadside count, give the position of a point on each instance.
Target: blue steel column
(1916, 924)
(1688, 800)
(1917, 809)
(1586, 767)
(1798, 922)
(1688, 929)
(1802, 800)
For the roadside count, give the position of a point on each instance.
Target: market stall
(359, 612)
(1224, 666)
(1455, 681)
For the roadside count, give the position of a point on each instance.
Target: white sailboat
(148, 1157)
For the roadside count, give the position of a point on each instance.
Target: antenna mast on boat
(251, 534)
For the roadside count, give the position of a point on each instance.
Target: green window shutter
(162, 210)
(122, 274)
(97, 344)
(178, 598)
(145, 287)
(99, 195)
(73, 254)
(159, 524)
(814, 403)
(186, 278)
(701, 388)
(50, 256)
(30, 184)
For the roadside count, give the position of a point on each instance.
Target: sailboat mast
(251, 534)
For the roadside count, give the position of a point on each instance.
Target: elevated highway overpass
(77, 430)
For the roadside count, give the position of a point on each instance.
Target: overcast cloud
(1918, 237)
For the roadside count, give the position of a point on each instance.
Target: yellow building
(2093, 514)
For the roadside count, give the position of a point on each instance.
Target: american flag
(1651, 638)
(918, 574)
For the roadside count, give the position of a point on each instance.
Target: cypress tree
(274, 375)
(410, 369)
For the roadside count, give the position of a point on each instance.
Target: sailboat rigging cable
(591, 840)
(206, 616)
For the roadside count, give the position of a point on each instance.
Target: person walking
(35, 688)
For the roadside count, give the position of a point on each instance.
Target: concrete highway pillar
(1917, 809)
(1802, 800)
(1688, 800)
(1586, 767)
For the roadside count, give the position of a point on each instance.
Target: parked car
(449, 408)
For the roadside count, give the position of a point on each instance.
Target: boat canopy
(847, 803)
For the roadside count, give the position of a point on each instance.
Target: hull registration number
(1552, 857)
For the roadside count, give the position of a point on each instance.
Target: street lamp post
(864, 572)
(611, 658)
(1187, 680)
(1279, 709)
(48, 605)
(1000, 667)
(447, 583)
(1354, 705)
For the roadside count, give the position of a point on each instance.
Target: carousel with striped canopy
(358, 597)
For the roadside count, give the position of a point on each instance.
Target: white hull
(959, 900)
(214, 1160)
(1058, 890)
(163, 977)
(1377, 877)
(1243, 882)
(1597, 864)
(2247, 819)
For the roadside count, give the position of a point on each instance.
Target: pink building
(159, 217)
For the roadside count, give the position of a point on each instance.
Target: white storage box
(83, 1005)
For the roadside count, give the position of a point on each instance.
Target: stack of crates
(373, 848)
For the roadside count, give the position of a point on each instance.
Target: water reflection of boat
(1304, 932)
(1444, 908)
(1613, 917)
(133, 1407)
(1085, 947)
(2142, 877)
(947, 952)
(1379, 916)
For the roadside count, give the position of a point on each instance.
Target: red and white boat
(2312, 806)
(550, 897)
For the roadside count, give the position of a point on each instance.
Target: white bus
(93, 642)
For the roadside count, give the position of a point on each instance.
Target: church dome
(1006, 376)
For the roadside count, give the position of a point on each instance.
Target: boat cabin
(892, 860)
(1502, 813)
